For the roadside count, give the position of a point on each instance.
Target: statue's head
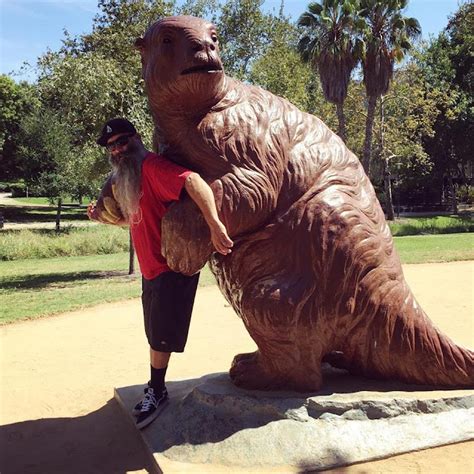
(180, 61)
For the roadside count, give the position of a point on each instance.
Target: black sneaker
(138, 407)
(152, 406)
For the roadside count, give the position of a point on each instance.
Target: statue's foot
(248, 371)
(244, 356)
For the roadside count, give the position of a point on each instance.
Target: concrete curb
(211, 426)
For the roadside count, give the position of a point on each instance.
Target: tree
(409, 115)
(48, 158)
(200, 8)
(244, 34)
(43, 139)
(280, 68)
(89, 89)
(328, 43)
(36, 132)
(106, 58)
(386, 36)
(448, 72)
(92, 78)
(355, 112)
(18, 101)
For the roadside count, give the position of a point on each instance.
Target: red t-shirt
(162, 183)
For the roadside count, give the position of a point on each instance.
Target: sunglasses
(121, 141)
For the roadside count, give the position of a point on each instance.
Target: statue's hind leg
(263, 370)
(286, 358)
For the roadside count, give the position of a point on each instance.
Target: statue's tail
(400, 342)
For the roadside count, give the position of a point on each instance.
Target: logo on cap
(109, 129)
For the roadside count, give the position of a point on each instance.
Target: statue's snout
(203, 50)
(205, 44)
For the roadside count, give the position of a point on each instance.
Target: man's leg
(167, 306)
(159, 360)
(158, 365)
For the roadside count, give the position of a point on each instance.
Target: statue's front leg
(186, 240)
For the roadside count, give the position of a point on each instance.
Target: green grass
(101, 239)
(46, 243)
(431, 225)
(435, 248)
(33, 288)
(43, 201)
(33, 214)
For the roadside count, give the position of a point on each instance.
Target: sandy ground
(58, 414)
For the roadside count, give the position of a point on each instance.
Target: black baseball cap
(114, 127)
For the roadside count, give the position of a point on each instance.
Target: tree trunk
(398, 193)
(58, 216)
(452, 194)
(387, 178)
(131, 254)
(388, 190)
(341, 120)
(369, 125)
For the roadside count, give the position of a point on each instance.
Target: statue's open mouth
(203, 68)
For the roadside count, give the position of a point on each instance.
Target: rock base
(211, 426)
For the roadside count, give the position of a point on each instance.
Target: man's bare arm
(201, 193)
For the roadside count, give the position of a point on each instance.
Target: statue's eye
(167, 40)
(214, 37)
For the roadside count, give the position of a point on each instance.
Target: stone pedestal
(212, 426)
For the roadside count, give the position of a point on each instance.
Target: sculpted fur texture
(313, 273)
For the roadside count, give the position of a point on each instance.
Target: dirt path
(58, 374)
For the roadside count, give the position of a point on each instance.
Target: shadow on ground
(29, 214)
(56, 279)
(99, 442)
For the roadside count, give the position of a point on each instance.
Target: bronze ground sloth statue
(313, 273)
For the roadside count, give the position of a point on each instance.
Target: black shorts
(168, 303)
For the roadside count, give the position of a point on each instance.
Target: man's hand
(201, 193)
(220, 239)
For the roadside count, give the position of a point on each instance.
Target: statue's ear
(140, 45)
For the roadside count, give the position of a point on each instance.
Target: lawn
(100, 239)
(41, 201)
(36, 287)
(32, 288)
(94, 239)
(34, 214)
(432, 225)
(435, 248)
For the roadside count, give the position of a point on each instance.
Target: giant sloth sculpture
(313, 273)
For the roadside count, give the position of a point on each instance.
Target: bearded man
(144, 185)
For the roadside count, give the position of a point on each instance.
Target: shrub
(18, 190)
(6, 186)
(432, 225)
(465, 194)
(45, 243)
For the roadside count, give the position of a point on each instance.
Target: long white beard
(127, 177)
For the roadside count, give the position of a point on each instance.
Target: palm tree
(386, 36)
(328, 44)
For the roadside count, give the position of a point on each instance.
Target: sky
(29, 27)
